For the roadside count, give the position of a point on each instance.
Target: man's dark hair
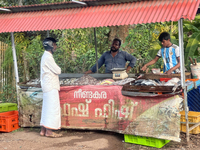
(164, 36)
(116, 39)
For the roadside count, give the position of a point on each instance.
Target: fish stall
(131, 104)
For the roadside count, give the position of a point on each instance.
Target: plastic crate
(9, 121)
(193, 98)
(147, 141)
(193, 117)
(4, 107)
(165, 79)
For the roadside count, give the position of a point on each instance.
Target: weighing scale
(119, 73)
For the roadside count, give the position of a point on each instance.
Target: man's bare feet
(43, 131)
(50, 133)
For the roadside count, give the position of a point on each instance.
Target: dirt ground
(29, 139)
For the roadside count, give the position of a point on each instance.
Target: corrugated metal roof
(64, 5)
(99, 16)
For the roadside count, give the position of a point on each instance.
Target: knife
(195, 61)
(191, 60)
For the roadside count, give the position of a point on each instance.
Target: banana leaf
(192, 46)
(154, 49)
(190, 27)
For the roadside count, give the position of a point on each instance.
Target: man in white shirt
(49, 71)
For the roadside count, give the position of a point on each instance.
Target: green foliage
(8, 94)
(192, 45)
(154, 47)
(33, 56)
(138, 40)
(191, 39)
(28, 2)
(76, 50)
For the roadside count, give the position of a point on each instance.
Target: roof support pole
(182, 62)
(95, 40)
(14, 58)
(47, 33)
(15, 68)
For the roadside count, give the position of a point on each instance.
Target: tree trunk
(26, 68)
(120, 32)
(20, 3)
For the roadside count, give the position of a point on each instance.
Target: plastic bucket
(195, 69)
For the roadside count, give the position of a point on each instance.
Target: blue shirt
(119, 61)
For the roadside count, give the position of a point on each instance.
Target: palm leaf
(190, 27)
(192, 45)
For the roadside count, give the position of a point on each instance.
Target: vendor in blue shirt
(114, 58)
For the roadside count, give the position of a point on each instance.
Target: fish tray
(158, 76)
(154, 89)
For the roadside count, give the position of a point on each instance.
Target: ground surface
(29, 139)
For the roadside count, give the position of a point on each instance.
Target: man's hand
(168, 72)
(144, 68)
(88, 72)
(128, 69)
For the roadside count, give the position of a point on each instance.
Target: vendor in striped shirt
(170, 54)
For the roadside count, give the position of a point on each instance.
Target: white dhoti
(51, 117)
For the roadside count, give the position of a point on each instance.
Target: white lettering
(90, 94)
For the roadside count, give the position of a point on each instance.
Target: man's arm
(174, 68)
(150, 63)
(132, 60)
(51, 64)
(100, 63)
(128, 68)
(88, 72)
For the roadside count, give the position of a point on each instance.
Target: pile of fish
(123, 82)
(86, 80)
(33, 82)
(68, 81)
(89, 80)
(155, 82)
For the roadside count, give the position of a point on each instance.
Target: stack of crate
(9, 117)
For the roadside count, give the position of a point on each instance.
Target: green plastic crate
(4, 107)
(147, 141)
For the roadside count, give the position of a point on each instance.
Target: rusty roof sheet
(98, 16)
(64, 5)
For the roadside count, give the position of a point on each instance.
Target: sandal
(42, 134)
(54, 135)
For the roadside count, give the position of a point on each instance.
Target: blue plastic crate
(190, 86)
(197, 83)
(193, 98)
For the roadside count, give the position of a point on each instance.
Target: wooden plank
(157, 76)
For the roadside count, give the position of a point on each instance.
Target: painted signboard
(105, 108)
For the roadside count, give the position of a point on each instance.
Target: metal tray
(118, 69)
(154, 89)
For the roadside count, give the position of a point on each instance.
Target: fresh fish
(172, 82)
(148, 83)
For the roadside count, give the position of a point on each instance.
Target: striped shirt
(169, 55)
